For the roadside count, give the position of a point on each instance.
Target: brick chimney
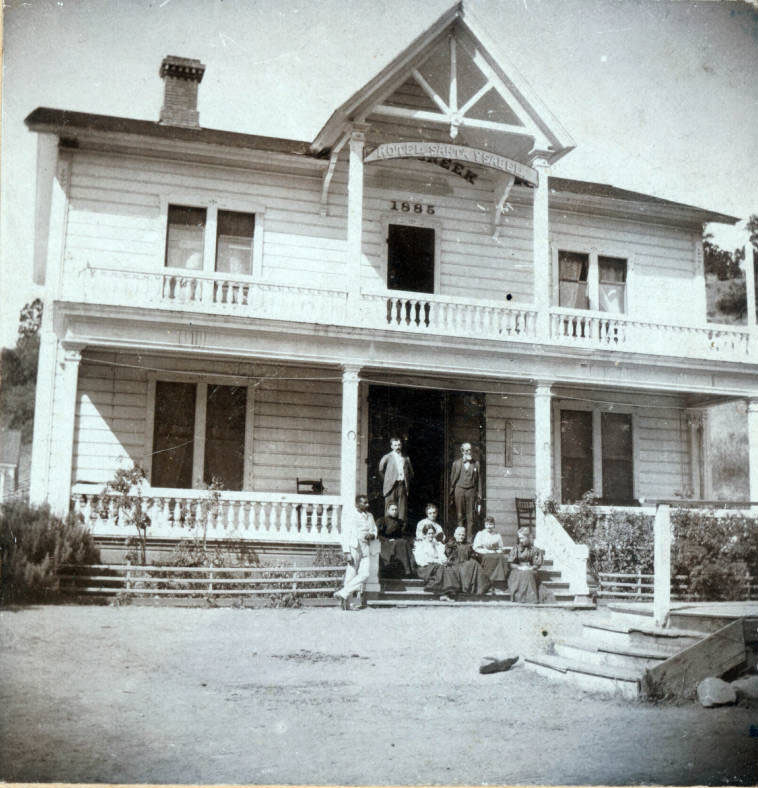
(181, 76)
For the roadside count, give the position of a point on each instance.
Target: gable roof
(549, 135)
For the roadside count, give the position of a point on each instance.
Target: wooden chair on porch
(526, 514)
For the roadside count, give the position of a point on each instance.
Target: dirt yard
(136, 694)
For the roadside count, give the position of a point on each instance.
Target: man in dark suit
(396, 472)
(465, 488)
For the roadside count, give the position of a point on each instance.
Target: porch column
(752, 443)
(349, 458)
(543, 451)
(541, 247)
(64, 415)
(53, 180)
(662, 565)
(696, 422)
(752, 319)
(355, 218)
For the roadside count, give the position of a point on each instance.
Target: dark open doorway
(410, 258)
(432, 424)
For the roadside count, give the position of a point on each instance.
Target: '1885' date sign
(443, 151)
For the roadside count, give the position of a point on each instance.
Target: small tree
(126, 489)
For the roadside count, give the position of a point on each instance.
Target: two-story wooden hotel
(267, 310)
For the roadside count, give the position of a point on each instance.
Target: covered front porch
(293, 444)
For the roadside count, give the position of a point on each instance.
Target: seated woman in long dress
(525, 561)
(461, 555)
(395, 548)
(488, 545)
(432, 566)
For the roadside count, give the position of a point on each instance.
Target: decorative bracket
(503, 188)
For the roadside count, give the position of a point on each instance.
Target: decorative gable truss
(449, 85)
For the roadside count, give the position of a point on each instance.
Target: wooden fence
(639, 585)
(133, 580)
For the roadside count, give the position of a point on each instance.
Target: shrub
(618, 541)
(715, 552)
(35, 544)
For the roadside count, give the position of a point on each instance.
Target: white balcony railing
(435, 314)
(582, 328)
(211, 293)
(411, 313)
(183, 514)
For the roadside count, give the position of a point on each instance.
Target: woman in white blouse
(432, 566)
(488, 544)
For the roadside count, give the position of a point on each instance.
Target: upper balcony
(406, 313)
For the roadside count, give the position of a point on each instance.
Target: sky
(660, 97)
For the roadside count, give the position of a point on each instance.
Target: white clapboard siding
(662, 261)
(472, 263)
(297, 432)
(504, 485)
(663, 454)
(116, 215)
(109, 428)
(296, 418)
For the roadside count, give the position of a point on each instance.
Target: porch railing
(246, 516)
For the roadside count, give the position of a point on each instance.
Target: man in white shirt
(359, 543)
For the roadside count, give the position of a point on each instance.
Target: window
(576, 454)
(573, 269)
(410, 258)
(225, 436)
(618, 480)
(612, 284)
(596, 453)
(234, 242)
(173, 435)
(199, 432)
(213, 239)
(185, 238)
(586, 280)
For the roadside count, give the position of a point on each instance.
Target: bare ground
(137, 694)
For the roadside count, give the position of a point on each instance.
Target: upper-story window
(410, 258)
(212, 238)
(573, 270)
(612, 284)
(234, 242)
(587, 280)
(185, 238)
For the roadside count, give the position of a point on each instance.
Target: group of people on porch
(448, 566)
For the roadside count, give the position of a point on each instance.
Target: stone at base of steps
(593, 678)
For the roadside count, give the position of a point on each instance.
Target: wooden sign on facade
(443, 152)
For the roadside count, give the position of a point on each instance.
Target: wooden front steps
(410, 591)
(627, 655)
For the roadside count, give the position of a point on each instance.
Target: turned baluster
(272, 516)
(283, 516)
(293, 518)
(323, 519)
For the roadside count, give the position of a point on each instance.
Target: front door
(432, 424)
